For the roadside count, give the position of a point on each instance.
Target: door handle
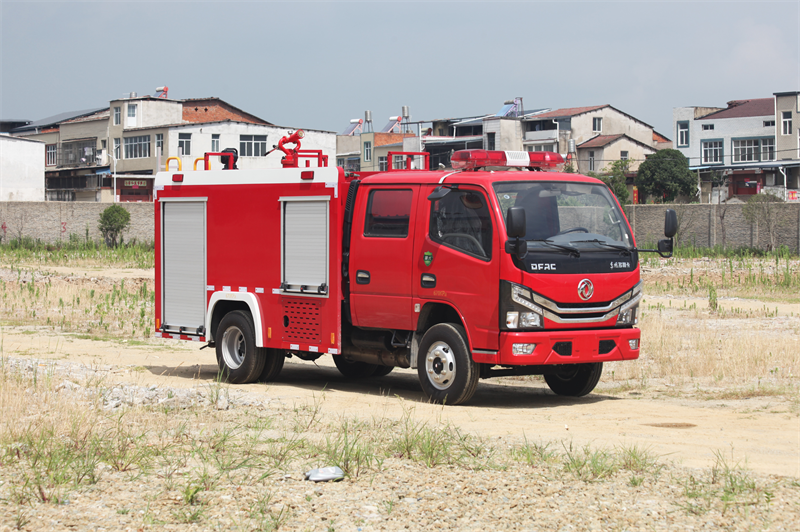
(428, 280)
(362, 277)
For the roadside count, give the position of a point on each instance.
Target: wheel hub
(233, 347)
(440, 365)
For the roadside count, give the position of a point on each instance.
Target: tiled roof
(99, 115)
(658, 137)
(599, 141)
(745, 108)
(570, 111)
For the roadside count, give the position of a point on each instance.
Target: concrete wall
(614, 123)
(701, 225)
(21, 169)
(55, 221)
(787, 145)
(698, 223)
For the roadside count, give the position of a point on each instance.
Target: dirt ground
(674, 421)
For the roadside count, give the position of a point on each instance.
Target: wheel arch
(433, 313)
(223, 302)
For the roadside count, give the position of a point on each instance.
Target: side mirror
(515, 228)
(515, 222)
(665, 247)
(670, 224)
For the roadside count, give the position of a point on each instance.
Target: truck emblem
(427, 257)
(585, 289)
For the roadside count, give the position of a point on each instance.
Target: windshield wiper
(570, 249)
(603, 243)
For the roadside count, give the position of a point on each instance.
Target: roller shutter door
(184, 271)
(305, 246)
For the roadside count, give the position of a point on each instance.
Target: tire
(382, 371)
(353, 370)
(446, 370)
(239, 360)
(575, 380)
(273, 364)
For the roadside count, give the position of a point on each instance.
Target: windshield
(579, 215)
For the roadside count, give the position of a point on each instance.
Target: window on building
(591, 161)
(184, 143)
(367, 151)
(786, 123)
(767, 149)
(623, 156)
(388, 212)
(50, 154)
(461, 220)
(117, 116)
(490, 141)
(131, 121)
(252, 145)
(683, 133)
(137, 147)
(340, 162)
(541, 147)
(117, 148)
(708, 127)
(769, 123)
(745, 150)
(597, 124)
(383, 165)
(103, 144)
(215, 142)
(159, 144)
(441, 132)
(398, 162)
(712, 151)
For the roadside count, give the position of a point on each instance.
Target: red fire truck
(493, 268)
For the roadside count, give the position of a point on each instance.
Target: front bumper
(584, 346)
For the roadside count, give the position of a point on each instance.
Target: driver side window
(461, 220)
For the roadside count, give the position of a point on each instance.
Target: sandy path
(762, 431)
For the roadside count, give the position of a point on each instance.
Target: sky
(316, 65)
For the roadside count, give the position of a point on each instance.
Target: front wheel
(273, 364)
(445, 367)
(239, 360)
(575, 380)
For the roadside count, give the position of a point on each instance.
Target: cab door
(381, 252)
(456, 260)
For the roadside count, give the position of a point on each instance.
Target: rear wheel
(353, 369)
(273, 364)
(238, 358)
(575, 380)
(445, 367)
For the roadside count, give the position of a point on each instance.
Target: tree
(615, 180)
(665, 175)
(113, 221)
(761, 209)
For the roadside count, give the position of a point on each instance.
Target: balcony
(78, 154)
(549, 134)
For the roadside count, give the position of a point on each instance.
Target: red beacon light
(473, 159)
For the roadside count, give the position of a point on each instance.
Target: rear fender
(246, 297)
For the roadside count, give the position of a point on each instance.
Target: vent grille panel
(303, 319)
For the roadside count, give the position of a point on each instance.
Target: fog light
(634, 344)
(530, 319)
(523, 349)
(512, 320)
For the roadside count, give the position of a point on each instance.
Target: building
(734, 146)
(591, 137)
(787, 139)
(21, 170)
(112, 153)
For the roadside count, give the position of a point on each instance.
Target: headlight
(522, 296)
(628, 316)
(529, 319)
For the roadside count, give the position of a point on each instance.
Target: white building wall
(21, 169)
(229, 133)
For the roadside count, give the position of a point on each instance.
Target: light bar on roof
(471, 159)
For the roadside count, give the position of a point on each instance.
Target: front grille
(586, 306)
(302, 321)
(563, 348)
(606, 346)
